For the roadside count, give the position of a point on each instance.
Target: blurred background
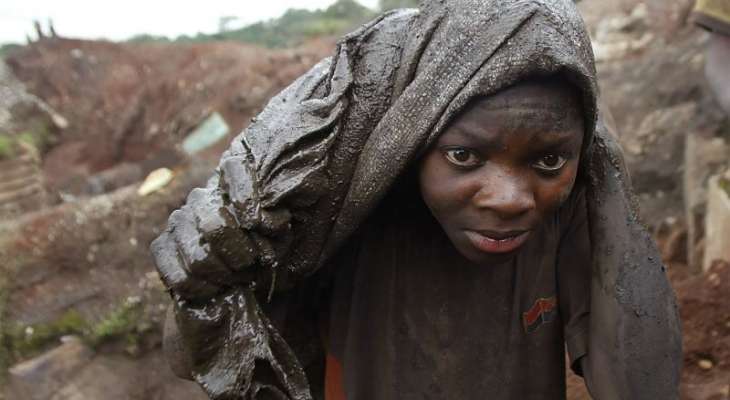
(110, 113)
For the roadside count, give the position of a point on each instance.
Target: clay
(310, 168)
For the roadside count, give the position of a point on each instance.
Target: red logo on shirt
(542, 312)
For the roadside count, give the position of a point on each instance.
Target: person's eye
(462, 157)
(550, 163)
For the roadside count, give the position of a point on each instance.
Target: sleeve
(574, 277)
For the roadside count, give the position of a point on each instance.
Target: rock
(59, 121)
(155, 181)
(42, 377)
(620, 49)
(714, 279)
(22, 187)
(622, 23)
(73, 372)
(110, 377)
(717, 222)
(620, 35)
(667, 17)
(209, 132)
(14, 94)
(716, 388)
(653, 148)
(664, 119)
(705, 364)
(100, 380)
(702, 157)
(634, 147)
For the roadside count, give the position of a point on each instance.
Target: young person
(471, 275)
(438, 209)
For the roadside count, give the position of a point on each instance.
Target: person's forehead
(540, 95)
(545, 103)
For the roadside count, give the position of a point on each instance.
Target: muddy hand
(203, 250)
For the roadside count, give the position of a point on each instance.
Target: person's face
(502, 166)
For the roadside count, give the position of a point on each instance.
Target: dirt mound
(705, 311)
(128, 102)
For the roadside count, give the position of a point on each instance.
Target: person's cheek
(554, 192)
(440, 189)
(438, 193)
(431, 182)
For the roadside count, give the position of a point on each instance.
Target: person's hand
(203, 249)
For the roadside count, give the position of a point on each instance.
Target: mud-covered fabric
(313, 165)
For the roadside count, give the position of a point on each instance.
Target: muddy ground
(81, 267)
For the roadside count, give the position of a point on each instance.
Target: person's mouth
(497, 242)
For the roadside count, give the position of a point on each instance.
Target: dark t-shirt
(411, 319)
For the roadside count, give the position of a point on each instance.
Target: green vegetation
(724, 184)
(7, 146)
(386, 5)
(5, 49)
(36, 134)
(297, 25)
(26, 340)
(125, 322)
(148, 38)
(291, 29)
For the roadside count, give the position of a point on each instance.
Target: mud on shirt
(411, 319)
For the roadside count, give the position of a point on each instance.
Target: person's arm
(261, 224)
(225, 249)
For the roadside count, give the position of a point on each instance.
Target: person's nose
(505, 193)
